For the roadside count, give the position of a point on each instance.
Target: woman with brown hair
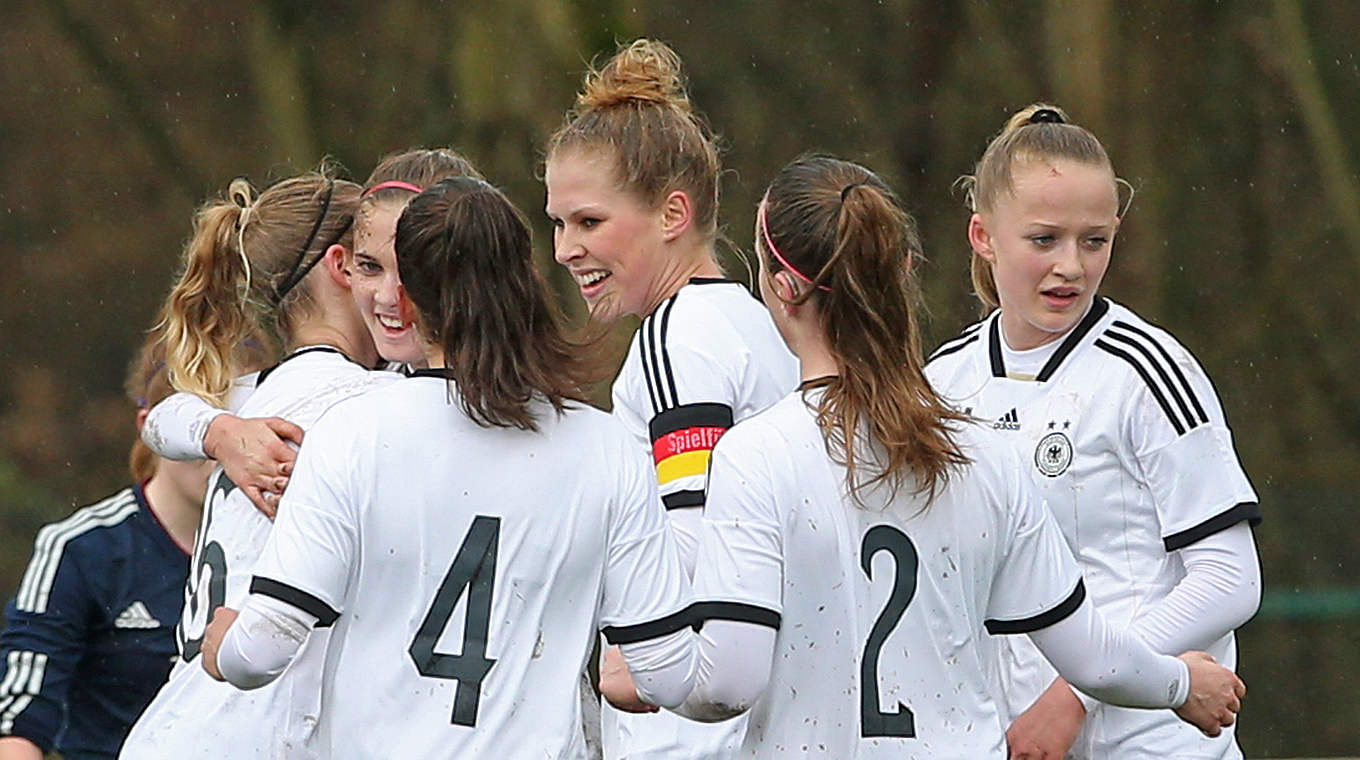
(632, 181)
(273, 264)
(478, 508)
(861, 539)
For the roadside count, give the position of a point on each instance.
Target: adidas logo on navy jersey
(1009, 421)
(136, 616)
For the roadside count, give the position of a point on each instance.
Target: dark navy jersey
(89, 637)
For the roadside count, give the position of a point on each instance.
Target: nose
(565, 249)
(1067, 261)
(389, 290)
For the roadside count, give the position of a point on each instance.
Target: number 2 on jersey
(473, 568)
(872, 720)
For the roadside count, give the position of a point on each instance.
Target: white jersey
(707, 357)
(194, 716)
(882, 608)
(1125, 435)
(467, 571)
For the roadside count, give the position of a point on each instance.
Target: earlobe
(336, 258)
(676, 215)
(142, 414)
(979, 238)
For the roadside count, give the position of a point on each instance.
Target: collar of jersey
(264, 373)
(1099, 308)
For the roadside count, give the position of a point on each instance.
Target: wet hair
(636, 108)
(1037, 132)
(845, 236)
(421, 167)
(243, 271)
(465, 258)
(148, 383)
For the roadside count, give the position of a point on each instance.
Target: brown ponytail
(243, 272)
(840, 226)
(1037, 132)
(466, 261)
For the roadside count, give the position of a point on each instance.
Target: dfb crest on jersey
(1053, 454)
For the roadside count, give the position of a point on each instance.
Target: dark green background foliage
(1233, 120)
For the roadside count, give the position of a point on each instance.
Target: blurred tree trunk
(275, 61)
(1078, 35)
(1294, 53)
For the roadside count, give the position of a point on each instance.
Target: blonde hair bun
(646, 71)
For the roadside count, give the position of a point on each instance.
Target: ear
(785, 290)
(336, 261)
(979, 238)
(677, 214)
(142, 414)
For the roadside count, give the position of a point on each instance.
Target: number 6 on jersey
(473, 568)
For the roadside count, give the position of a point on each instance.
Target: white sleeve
(734, 664)
(646, 589)
(175, 426)
(1221, 590)
(1182, 443)
(1109, 664)
(306, 560)
(262, 642)
(663, 668)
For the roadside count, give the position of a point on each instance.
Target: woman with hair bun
(862, 539)
(273, 264)
(1122, 429)
(632, 184)
(469, 530)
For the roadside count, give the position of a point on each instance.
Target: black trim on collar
(1099, 307)
(443, 372)
(264, 373)
(1044, 619)
(712, 281)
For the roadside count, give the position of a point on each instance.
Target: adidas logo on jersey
(1009, 421)
(136, 616)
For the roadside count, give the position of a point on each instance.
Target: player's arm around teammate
(835, 249)
(1046, 213)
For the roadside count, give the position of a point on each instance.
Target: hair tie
(392, 183)
(1046, 116)
(769, 243)
(845, 191)
(298, 271)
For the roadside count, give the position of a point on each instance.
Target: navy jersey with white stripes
(1125, 435)
(89, 637)
(707, 357)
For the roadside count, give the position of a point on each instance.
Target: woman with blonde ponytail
(632, 181)
(861, 539)
(1121, 426)
(272, 264)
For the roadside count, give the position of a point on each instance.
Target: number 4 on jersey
(473, 568)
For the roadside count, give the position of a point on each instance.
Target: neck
(677, 271)
(177, 510)
(314, 333)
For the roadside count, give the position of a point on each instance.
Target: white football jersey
(881, 606)
(467, 571)
(194, 716)
(1125, 435)
(707, 357)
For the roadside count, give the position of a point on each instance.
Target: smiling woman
(632, 179)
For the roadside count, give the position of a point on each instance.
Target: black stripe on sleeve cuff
(1043, 619)
(326, 616)
(702, 612)
(688, 416)
(1247, 510)
(683, 499)
(631, 634)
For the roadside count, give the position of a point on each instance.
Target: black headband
(298, 271)
(1046, 116)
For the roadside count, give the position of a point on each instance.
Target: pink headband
(392, 183)
(769, 243)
